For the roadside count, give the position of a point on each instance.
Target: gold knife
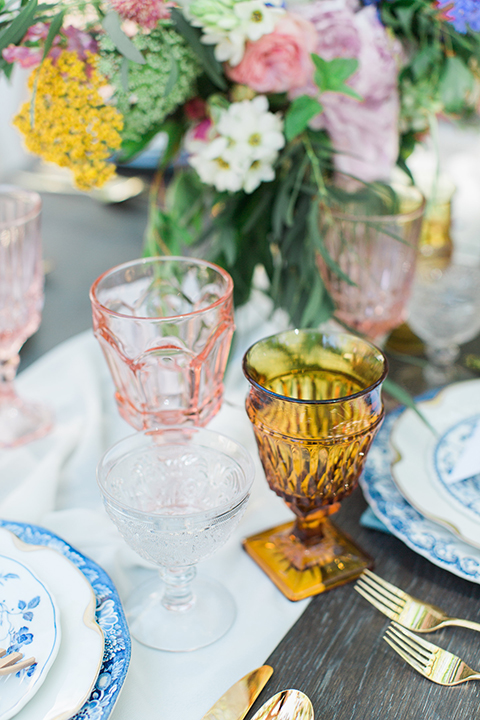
(238, 700)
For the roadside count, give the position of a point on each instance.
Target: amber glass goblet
(315, 405)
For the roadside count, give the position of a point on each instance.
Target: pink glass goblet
(376, 252)
(165, 326)
(21, 302)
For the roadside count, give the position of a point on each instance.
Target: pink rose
(279, 61)
(364, 133)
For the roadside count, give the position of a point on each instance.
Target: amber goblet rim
(163, 259)
(328, 401)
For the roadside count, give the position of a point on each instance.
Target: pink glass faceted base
(21, 422)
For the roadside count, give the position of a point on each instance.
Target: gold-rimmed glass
(315, 405)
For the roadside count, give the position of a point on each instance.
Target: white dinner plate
(423, 461)
(29, 624)
(76, 667)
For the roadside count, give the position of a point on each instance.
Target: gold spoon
(286, 705)
(13, 662)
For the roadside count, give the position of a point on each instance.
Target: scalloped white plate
(75, 670)
(30, 624)
(423, 462)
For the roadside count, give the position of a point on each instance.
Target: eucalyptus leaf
(172, 76)
(53, 30)
(404, 397)
(112, 25)
(313, 226)
(204, 52)
(18, 27)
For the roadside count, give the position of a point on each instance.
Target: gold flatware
(286, 705)
(13, 662)
(436, 664)
(405, 609)
(237, 701)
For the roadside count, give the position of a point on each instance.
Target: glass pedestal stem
(8, 371)
(178, 595)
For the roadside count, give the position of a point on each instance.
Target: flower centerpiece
(271, 112)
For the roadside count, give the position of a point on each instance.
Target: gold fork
(13, 662)
(436, 664)
(405, 609)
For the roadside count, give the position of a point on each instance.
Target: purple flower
(364, 133)
(463, 14)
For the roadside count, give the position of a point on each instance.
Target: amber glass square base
(335, 561)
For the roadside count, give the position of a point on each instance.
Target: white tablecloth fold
(51, 482)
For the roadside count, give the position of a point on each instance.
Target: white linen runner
(51, 482)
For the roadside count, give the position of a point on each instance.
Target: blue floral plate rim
(423, 536)
(109, 614)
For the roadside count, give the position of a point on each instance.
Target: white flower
(228, 24)
(249, 124)
(229, 47)
(240, 151)
(258, 172)
(256, 18)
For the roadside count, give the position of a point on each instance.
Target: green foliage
(112, 26)
(204, 53)
(330, 75)
(15, 31)
(299, 114)
(151, 92)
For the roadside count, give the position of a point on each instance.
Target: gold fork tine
(431, 661)
(389, 608)
(419, 650)
(404, 655)
(383, 586)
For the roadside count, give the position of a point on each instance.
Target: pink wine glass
(165, 325)
(21, 302)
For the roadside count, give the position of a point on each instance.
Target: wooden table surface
(335, 652)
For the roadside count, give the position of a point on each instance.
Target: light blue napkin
(370, 520)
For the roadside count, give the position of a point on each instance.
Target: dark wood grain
(336, 655)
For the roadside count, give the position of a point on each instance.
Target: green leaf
(53, 31)
(313, 226)
(330, 75)
(172, 77)
(299, 114)
(319, 307)
(455, 83)
(406, 399)
(204, 52)
(18, 27)
(112, 26)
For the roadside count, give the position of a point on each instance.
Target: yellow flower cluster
(70, 124)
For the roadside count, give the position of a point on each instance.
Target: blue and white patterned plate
(422, 535)
(424, 467)
(109, 615)
(30, 624)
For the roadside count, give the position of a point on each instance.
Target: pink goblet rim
(163, 258)
(328, 401)
(403, 217)
(31, 214)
